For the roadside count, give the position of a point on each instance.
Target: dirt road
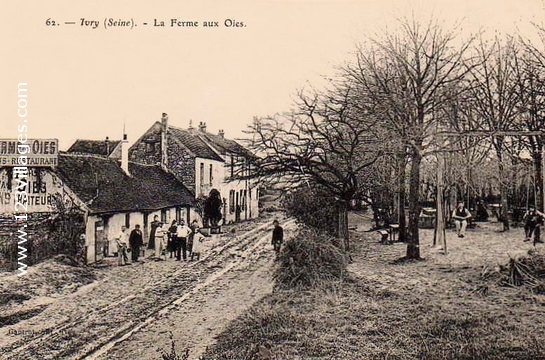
(128, 313)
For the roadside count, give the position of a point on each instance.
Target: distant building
(202, 161)
(105, 148)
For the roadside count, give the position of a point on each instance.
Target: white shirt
(183, 231)
(122, 237)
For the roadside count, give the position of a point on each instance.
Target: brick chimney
(164, 141)
(221, 133)
(125, 155)
(107, 146)
(202, 126)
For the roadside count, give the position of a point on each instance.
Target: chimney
(221, 133)
(191, 129)
(107, 146)
(164, 143)
(202, 126)
(125, 155)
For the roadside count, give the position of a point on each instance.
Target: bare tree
(406, 78)
(530, 88)
(495, 101)
(324, 141)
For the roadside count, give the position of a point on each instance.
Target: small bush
(308, 259)
(173, 354)
(313, 207)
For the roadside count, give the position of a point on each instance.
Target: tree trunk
(342, 226)
(413, 242)
(402, 198)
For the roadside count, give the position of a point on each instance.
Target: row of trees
(409, 94)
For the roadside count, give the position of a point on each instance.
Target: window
(163, 216)
(211, 176)
(150, 147)
(201, 174)
(128, 220)
(178, 214)
(232, 166)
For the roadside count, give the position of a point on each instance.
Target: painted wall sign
(31, 153)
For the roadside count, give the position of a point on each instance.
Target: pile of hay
(308, 259)
(527, 271)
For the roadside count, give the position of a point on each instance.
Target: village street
(129, 311)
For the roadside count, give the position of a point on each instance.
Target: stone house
(202, 161)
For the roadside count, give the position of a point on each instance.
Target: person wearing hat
(533, 219)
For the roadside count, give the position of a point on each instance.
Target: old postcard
(281, 179)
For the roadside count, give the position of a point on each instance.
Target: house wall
(247, 200)
(203, 182)
(148, 149)
(247, 190)
(90, 239)
(44, 189)
(181, 163)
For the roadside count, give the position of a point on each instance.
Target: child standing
(198, 245)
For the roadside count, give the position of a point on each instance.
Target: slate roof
(223, 145)
(194, 143)
(94, 147)
(104, 186)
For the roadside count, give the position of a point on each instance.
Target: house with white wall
(103, 193)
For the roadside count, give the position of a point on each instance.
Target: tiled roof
(223, 145)
(104, 186)
(94, 147)
(194, 143)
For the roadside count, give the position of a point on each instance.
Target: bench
(394, 229)
(215, 230)
(384, 236)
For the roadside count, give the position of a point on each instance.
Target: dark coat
(278, 234)
(135, 239)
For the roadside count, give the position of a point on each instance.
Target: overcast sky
(87, 83)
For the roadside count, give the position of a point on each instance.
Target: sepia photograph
(270, 180)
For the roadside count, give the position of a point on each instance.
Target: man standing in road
(277, 237)
(160, 235)
(135, 241)
(183, 231)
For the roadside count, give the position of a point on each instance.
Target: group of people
(533, 220)
(179, 240)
